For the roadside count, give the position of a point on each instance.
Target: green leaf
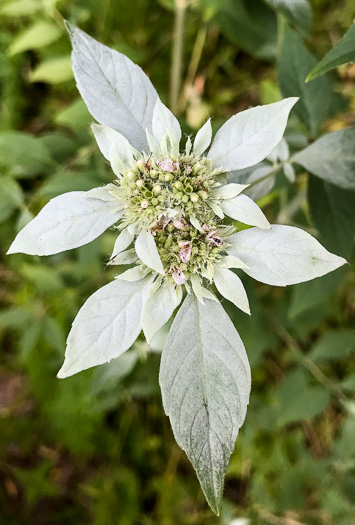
(20, 7)
(297, 12)
(294, 65)
(310, 294)
(38, 35)
(205, 383)
(53, 71)
(333, 212)
(298, 401)
(23, 155)
(11, 197)
(334, 344)
(342, 53)
(332, 158)
(249, 25)
(75, 115)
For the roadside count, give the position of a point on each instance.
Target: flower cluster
(169, 204)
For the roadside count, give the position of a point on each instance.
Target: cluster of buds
(154, 185)
(186, 250)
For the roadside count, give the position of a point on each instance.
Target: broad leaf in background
(205, 383)
(249, 25)
(297, 12)
(54, 70)
(294, 65)
(116, 91)
(39, 35)
(342, 53)
(332, 157)
(299, 401)
(333, 344)
(332, 210)
(23, 155)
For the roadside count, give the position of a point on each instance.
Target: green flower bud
(203, 194)
(157, 188)
(188, 189)
(179, 185)
(140, 183)
(130, 175)
(140, 164)
(179, 195)
(155, 201)
(194, 197)
(169, 177)
(154, 174)
(185, 199)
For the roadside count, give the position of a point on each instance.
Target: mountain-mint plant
(168, 203)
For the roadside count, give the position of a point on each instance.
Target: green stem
(177, 54)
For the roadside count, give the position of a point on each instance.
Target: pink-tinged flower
(180, 223)
(188, 169)
(215, 239)
(168, 165)
(206, 228)
(185, 250)
(177, 274)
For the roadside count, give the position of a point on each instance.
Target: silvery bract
(168, 205)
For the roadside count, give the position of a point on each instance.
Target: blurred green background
(96, 448)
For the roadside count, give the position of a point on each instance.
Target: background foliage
(97, 448)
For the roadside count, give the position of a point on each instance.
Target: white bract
(168, 204)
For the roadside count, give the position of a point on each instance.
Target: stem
(270, 174)
(177, 54)
(194, 62)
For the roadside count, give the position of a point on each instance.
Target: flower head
(168, 201)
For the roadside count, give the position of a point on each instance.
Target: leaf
(124, 239)
(332, 158)
(306, 296)
(112, 144)
(294, 65)
(263, 173)
(53, 71)
(203, 139)
(243, 209)
(231, 287)
(205, 383)
(147, 251)
(75, 115)
(333, 212)
(248, 137)
(298, 401)
(115, 90)
(297, 12)
(283, 255)
(164, 122)
(24, 155)
(127, 257)
(334, 344)
(157, 310)
(342, 53)
(228, 191)
(106, 326)
(249, 25)
(20, 7)
(66, 222)
(38, 35)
